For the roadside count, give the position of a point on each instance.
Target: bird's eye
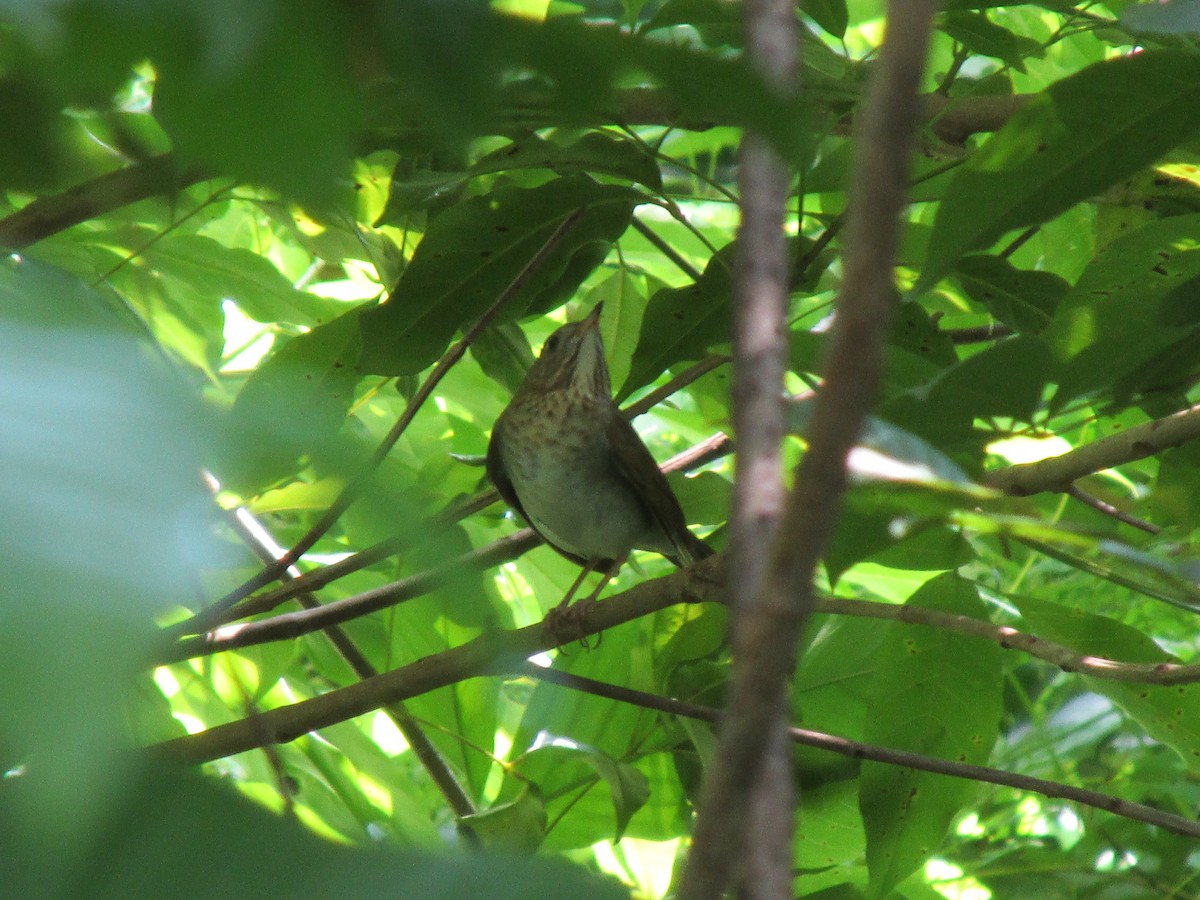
(552, 343)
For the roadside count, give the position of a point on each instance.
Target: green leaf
(831, 15)
(288, 52)
(504, 354)
(102, 511)
(982, 36)
(597, 152)
(1130, 305)
(1004, 380)
(621, 321)
(567, 766)
(1023, 299)
(1170, 714)
(682, 323)
(517, 827)
(949, 689)
(214, 271)
(293, 404)
(1081, 135)
(475, 250)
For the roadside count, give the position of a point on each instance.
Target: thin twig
(1109, 510)
(666, 249)
(258, 538)
(858, 750)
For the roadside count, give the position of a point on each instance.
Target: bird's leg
(565, 614)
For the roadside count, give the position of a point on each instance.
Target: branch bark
(858, 750)
(765, 641)
(1058, 472)
(761, 290)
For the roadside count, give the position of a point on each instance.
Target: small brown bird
(564, 457)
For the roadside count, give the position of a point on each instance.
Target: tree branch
(51, 214)
(487, 654)
(1057, 472)
(765, 640)
(256, 536)
(857, 750)
(761, 288)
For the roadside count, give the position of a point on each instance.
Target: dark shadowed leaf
(475, 250)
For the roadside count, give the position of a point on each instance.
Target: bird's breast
(562, 471)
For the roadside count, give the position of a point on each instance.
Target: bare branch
(51, 214)
(1057, 473)
(857, 750)
(765, 640)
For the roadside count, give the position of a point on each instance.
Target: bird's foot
(566, 623)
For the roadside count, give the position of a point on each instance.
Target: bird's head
(572, 359)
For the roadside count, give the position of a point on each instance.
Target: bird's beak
(593, 319)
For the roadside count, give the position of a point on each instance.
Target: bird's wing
(638, 467)
(498, 475)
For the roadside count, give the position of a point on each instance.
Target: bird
(563, 457)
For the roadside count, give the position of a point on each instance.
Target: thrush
(563, 456)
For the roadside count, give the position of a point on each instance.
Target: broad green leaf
(621, 321)
(504, 354)
(831, 15)
(982, 36)
(564, 771)
(288, 52)
(682, 323)
(936, 693)
(1081, 135)
(865, 533)
(1005, 380)
(1131, 305)
(829, 830)
(596, 152)
(475, 250)
(517, 827)
(259, 851)
(219, 273)
(293, 404)
(1170, 714)
(1023, 299)
(105, 519)
(717, 23)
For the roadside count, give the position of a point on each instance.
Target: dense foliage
(244, 235)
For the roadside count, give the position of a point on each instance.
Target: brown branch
(1057, 473)
(53, 213)
(487, 654)
(857, 750)
(761, 287)
(1161, 673)
(765, 640)
(496, 652)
